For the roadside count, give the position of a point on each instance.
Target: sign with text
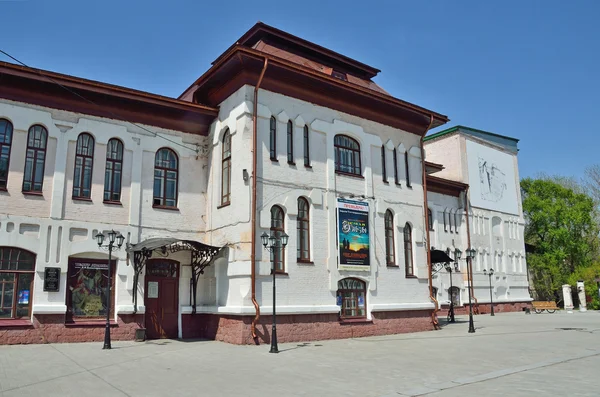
(353, 235)
(51, 279)
(91, 265)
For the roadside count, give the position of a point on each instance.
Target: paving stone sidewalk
(510, 354)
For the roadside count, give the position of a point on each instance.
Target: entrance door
(161, 298)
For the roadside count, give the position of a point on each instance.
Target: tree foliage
(561, 225)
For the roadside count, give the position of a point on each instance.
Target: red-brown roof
(445, 186)
(42, 87)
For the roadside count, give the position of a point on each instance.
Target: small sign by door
(152, 289)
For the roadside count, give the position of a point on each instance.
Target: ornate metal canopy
(201, 256)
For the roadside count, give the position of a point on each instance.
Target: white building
(480, 167)
(279, 136)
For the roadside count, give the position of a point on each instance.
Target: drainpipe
(470, 275)
(434, 319)
(253, 239)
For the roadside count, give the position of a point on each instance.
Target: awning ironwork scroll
(201, 256)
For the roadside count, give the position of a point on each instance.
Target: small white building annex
(280, 136)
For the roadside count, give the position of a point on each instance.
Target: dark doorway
(161, 297)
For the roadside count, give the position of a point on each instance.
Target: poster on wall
(353, 235)
(492, 179)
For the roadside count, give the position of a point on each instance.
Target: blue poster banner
(353, 235)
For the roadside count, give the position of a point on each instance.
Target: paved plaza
(510, 354)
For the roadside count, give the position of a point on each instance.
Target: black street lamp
(271, 243)
(490, 274)
(450, 268)
(470, 255)
(112, 236)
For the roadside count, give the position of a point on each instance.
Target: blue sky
(527, 69)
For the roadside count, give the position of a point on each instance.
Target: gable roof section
(261, 30)
(300, 69)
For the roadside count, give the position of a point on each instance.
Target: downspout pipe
(470, 271)
(253, 216)
(434, 319)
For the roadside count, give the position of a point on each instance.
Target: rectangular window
(88, 289)
(383, 167)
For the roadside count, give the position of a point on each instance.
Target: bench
(540, 306)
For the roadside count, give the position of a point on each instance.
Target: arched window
(408, 256)
(430, 218)
(226, 169)
(113, 171)
(407, 169)
(454, 295)
(165, 178)
(445, 223)
(84, 162)
(389, 239)
(434, 291)
(303, 233)
(396, 180)
(306, 147)
(383, 165)
(35, 159)
(277, 229)
(6, 130)
(273, 138)
(347, 155)
(290, 142)
(16, 282)
(351, 296)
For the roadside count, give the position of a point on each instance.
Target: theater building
(279, 136)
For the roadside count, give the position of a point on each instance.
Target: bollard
(567, 299)
(581, 296)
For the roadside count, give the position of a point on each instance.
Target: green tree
(561, 226)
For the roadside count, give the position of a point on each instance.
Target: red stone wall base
(302, 328)
(51, 328)
(484, 308)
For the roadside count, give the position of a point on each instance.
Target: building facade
(280, 136)
(480, 172)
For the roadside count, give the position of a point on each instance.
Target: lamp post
(449, 268)
(274, 243)
(490, 273)
(112, 237)
(470, 255)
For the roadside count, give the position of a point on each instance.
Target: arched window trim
(408, 251)
(35, 156)
(430, 219)
(160, 201)
(113, 171)
(6, 134)
(306, 147)
(226, 169)
(347, 155)
(277, 229)
(273, 138)
(20, 264)
(390, 246)
(290, 142)
(84, 164)
(352, 301)
(303, 231)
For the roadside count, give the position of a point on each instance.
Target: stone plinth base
(51, 328)
(302, 327)
(484, 308)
